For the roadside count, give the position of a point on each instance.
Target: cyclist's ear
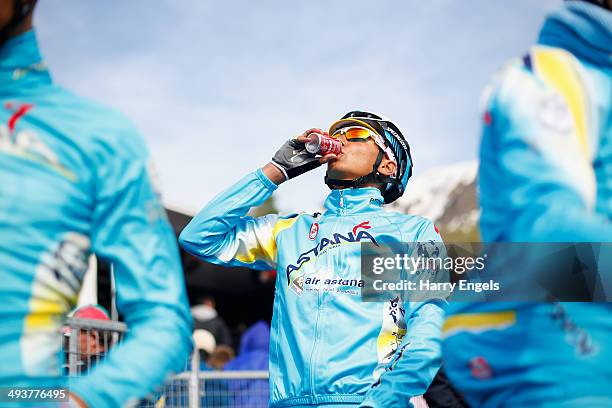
(387, 167)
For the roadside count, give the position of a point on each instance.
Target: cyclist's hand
(292, 159)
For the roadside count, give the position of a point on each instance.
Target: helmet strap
(373, 177)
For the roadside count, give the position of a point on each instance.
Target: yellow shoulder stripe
(45, 313)
(283, 224)
(265, 250)
(556, 68)
(478, 322)
(253, 254)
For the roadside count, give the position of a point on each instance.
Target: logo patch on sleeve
(314, 230)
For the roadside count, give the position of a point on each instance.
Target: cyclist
(328, 348)
(546, 163)
(74, 180)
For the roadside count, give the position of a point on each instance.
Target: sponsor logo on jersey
(334, 281)
(350, 286)
(298, 285)
(27, 144)
(575, 336)
(554, 114)
(487, 118)
(314, 230)
(480, 368)
(364, 225)
(357, 234)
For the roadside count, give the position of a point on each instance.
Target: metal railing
(87, 341)
(207, 389)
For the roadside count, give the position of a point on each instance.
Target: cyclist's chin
(341, 171)
(336, 169)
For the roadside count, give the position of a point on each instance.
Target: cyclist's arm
(533, 156)
(221, 232)
(418, 358)
(130, 230)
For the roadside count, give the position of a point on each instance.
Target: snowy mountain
(447, 196)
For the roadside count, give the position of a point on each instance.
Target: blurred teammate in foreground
(545, 176)
(328, 348)
(73, 180)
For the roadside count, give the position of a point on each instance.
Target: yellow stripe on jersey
(283, 224)
(265, 247)
(556, 68)
(392, 332)
(44, 313)
(264, 251)
(478, 322)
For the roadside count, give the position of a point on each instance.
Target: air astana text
(326, 243)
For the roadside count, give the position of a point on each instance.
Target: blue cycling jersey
(327, 347)
(545, 176)
(73, 180)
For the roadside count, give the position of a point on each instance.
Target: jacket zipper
(311, 365)
(312, 368)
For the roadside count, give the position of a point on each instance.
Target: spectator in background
(206, 317)
(216, 392)
(91, 344)
(253, 356)
(220, 357)
(254, 349)
(204, 342)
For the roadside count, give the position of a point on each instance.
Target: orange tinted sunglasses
(354, 134)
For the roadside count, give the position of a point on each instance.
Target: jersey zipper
(312, 365)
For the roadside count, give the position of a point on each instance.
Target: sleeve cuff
(265, 180)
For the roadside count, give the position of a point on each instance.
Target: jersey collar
(583, 29)
(21, 65)
(354, 200)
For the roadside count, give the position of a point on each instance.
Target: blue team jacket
(74, 180)
(327, 347)
(545, 176)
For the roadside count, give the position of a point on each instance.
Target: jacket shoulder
(514, 80)
(287, 222)
(93, 123)
(532, 78)
(397, 216)
(412, 225)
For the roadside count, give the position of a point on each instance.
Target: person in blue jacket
(254, 349)
(74, 180)
(327, 347)
(545, 176)
(254, 355)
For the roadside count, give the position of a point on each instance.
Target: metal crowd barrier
(87, 341)
(218, 389)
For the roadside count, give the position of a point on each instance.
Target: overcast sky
(216, 86)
